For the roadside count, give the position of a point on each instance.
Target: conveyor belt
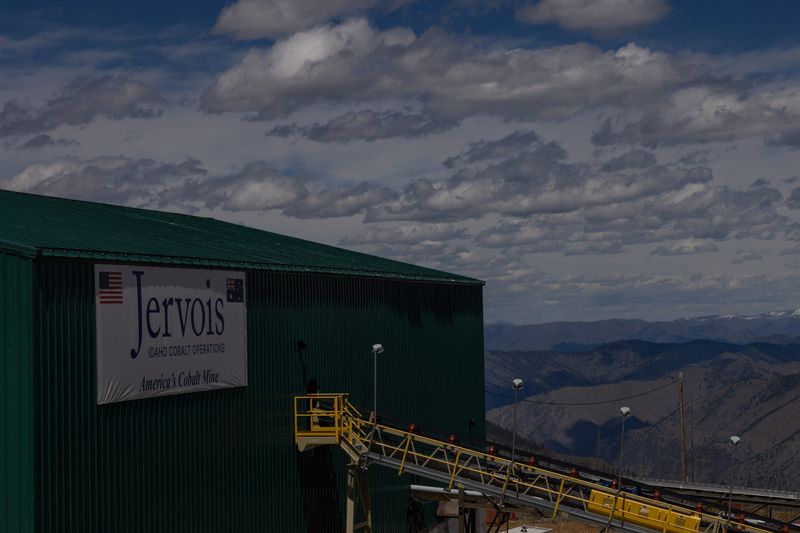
(751, 495)
(712, 498)
(330, 419)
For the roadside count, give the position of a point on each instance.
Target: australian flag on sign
(235, 289)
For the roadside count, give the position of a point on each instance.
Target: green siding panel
(16, 395)
(224, 461)
(106, 233)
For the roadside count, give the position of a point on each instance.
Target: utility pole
(683, 431)
(691, 438)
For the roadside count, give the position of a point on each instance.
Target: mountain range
(774, 327)
(571, 398)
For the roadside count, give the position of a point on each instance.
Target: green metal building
(222, 460)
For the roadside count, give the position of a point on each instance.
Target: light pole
(517, 385)
(734, 441)
(376, 349)
(625, 412)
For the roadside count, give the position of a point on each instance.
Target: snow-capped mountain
(775, 327)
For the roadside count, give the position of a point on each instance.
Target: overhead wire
(646, 430)
(570, 404)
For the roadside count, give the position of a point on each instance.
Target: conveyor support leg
(358, 488)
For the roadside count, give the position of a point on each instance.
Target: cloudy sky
(586, 158)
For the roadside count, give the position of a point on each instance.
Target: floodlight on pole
(734, 442)
(516, 384)
(625, 412)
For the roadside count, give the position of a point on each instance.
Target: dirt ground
(562, 524)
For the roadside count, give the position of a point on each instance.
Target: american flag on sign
(110, 287)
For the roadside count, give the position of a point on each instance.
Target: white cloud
(604, 17)
(544, 237)
(537, 180)
(257, 19)
(743, 257)
(651, 98)
(481, 163)
(712, 113)
(593, 248)
(409, 233)
(269, 191)
(484, 150)
(116, 180)
(588, 296)
(352, 63)
(794, 250)
(259, 187)
(79, 102)
(365, 125)
(186, 186)
(686, 247)
(632, 159)
(44, 141)
(305, 68)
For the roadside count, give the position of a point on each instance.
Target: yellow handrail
(321, 414)
(340, 421)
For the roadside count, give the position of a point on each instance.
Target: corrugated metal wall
(16, 394)
(225, 461)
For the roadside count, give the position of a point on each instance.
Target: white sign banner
(163, 331)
